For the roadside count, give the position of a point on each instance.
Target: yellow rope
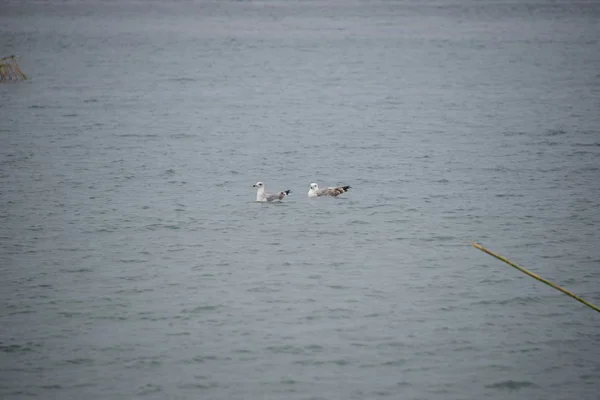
(539, 278)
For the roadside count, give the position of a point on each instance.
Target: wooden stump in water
(10, 71)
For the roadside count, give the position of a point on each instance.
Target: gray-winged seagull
(262, 196)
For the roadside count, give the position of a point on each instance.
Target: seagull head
(258, 185)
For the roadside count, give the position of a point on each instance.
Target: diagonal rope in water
(539, 278)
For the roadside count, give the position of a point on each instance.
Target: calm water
(135, 263)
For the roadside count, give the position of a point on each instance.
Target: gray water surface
(136, 264)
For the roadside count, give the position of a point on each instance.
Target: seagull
(262, 196)
(330, 191)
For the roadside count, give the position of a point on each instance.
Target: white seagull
(262, 196)
(314, 190)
